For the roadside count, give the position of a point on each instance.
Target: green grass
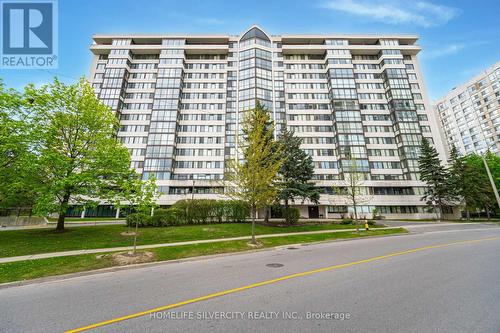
(88, 219)
(33, 241)
(30, 269)
(478, 221)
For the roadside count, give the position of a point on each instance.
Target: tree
(438, 190)
(19, 179)
(138, 194)
(80, 156)
(296, 172)
(469, 185)
(493, 161)
(352, 188)
(479, 191)
(253, 179)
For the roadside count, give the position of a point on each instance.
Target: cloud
(443, 50)
(420, 13)
(449, 49)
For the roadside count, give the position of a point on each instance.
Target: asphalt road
(451, 288)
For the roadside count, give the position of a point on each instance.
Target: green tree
(19, 179)
(493, 161)
(467, 185)
(353, 189)
(438, 190)
(296, 172)
(80, 156)
(138, 194)
(479, 191)
(253, 179)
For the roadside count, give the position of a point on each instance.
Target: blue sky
(459, 38)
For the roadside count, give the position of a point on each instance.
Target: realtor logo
(29, 34)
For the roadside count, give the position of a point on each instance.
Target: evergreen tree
(296, 172)
(438, 190)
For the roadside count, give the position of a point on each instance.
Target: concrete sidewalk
(152, 246)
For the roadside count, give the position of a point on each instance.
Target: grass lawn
(30, 269)
(478, 221)
(88, 219)
(33, 241)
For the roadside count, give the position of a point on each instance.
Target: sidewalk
(152, 246)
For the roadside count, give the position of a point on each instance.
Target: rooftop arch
(255, 32)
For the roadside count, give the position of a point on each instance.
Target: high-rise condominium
(180, 99)
(470, 114)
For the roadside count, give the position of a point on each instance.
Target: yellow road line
(263, 283)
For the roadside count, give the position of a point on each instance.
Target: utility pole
(492, 181)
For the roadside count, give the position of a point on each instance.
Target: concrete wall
(21, 220)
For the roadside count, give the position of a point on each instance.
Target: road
(436, 279)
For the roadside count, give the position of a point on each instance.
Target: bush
(376, 214)
(203, 211)
(346, 221)
(166, 217)
(236, 211)
(198, 211)
(291, 215)
(142, 220)
(371, 223)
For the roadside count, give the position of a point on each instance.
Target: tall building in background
(180, 99)
(470, 114)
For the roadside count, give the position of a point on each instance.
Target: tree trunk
(287, 218)
(62, 212)
(436, 211)
(488, 213)
(135, 236)
(356, 218)
(254, 213)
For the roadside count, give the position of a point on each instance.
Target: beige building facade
(180, 99)
(470, 114)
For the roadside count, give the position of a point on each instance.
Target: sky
(459, 39)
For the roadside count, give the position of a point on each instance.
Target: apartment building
(180, 98)
(470, 114)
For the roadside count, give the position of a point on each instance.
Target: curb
(112, 269)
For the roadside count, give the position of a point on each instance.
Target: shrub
(166, 217)
(371, 223)
(236, 211)
(142, 220)
(376, 214)
(346, 221)
(219, 211)
(291, 214)
(198, 211)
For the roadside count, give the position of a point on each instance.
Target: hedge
(189, 212)
(291, 214)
